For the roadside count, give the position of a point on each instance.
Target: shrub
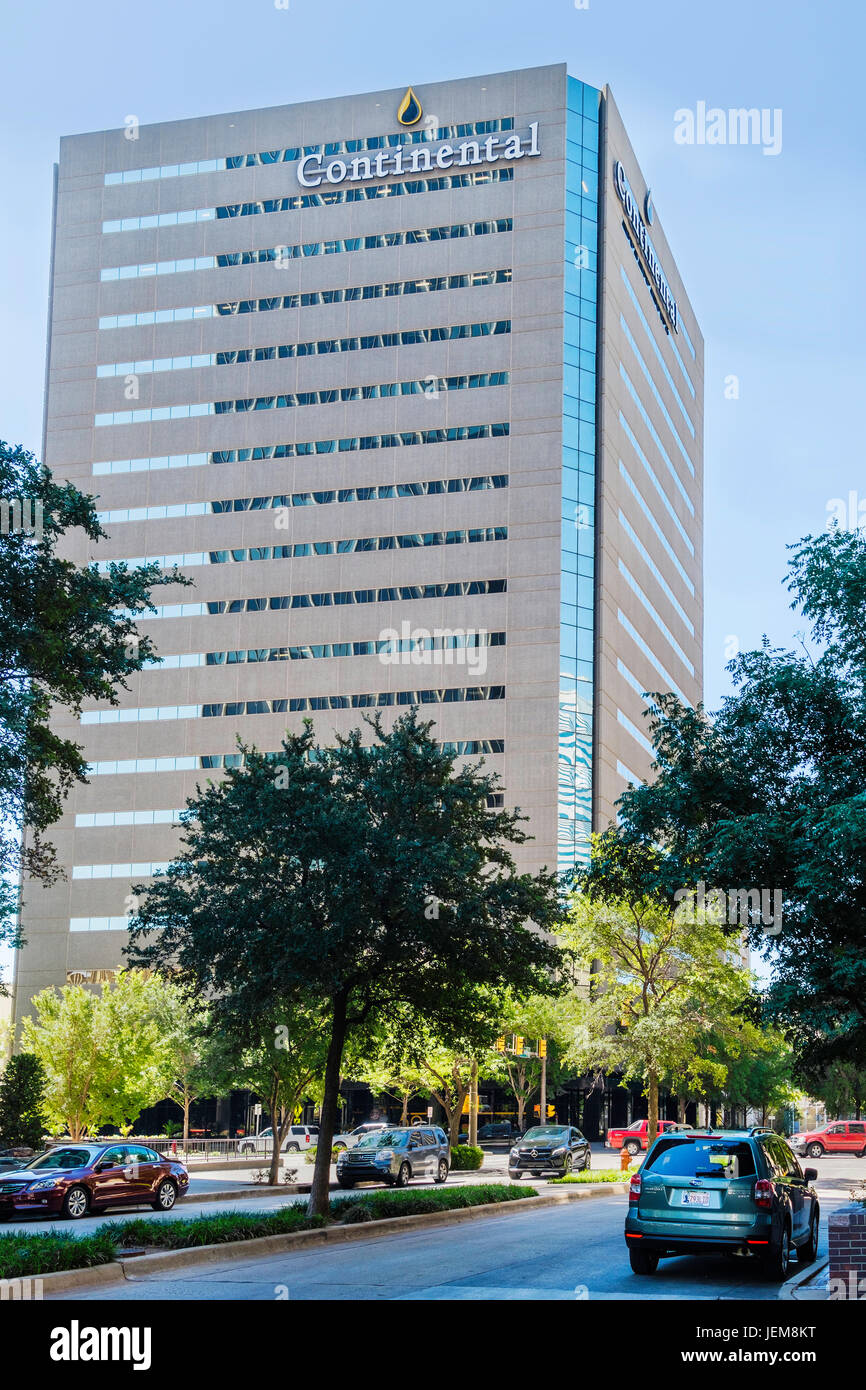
(22, 1255)
(466, 1158)
(310, 1155)
(22, 1089)
(601, 1175)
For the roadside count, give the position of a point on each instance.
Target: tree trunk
(186, 1105)
(521, 1111)
(653, 1116)
(319, 1203)
(404, 1114)
(473, 1103)
(681, 1110)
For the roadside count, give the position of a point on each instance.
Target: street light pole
(542, 1108)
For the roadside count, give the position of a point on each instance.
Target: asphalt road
(569, 1252)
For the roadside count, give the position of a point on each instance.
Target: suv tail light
(764, 1194)
(634, 1188)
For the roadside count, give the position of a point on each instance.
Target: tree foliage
(22, 1088)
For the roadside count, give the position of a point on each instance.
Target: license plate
(696, 1199)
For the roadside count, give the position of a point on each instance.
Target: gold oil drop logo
(409, 111)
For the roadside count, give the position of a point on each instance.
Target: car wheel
(587, 1162)
(166, 1196)
(292, 1149)
(632, 1147)
(516, 1173)
(815, 1150)
(777, 1265)
(643, 1261)
(346, 1182)
(247, 1149)
(808, 1252)
(76, 1203)
(442, 1171)
(862, 1153)
(567, 1163)
(402, 1178)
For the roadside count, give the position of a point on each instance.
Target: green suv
(733, 1192)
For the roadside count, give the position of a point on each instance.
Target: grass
(600, 1175)
(44, 1253)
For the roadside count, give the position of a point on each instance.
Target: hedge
(466, 1158)
(22, 1255)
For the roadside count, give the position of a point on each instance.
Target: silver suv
(395, 1156)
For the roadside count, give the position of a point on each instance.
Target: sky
(768, 246)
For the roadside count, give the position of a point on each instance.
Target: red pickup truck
(634, 1138)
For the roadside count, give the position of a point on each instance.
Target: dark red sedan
(76, 1180)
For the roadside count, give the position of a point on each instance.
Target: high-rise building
(409, 385)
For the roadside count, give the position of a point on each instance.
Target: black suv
(549, 1149)
(737, 1192)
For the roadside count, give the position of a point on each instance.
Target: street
(569, 1252)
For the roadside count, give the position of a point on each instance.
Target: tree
(661, 981)
(769, 792)
(531, 1019)
(187, 1064)
(101, 1053)
(280, 1058)
(387, 1065)
(840, 1085)
(351, 879)
(67, 633)
(22, 1087)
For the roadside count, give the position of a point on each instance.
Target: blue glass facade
(576, 654)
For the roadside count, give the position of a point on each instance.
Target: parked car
(395, 1156)
(549, 1149)
(348, 1141)
(837, 1137)
(494, 1129)
(298, 1139)
(738, 1192)
(76, 1180)
(634, 1137)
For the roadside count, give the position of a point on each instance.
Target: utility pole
(542, 1107)
(473, 1102)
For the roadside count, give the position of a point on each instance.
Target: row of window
(651, 657)
(648, 513)
(651, 474)
(654, 435)
(656, 617)
(470, 640)
(658, 352)
(296, 202)
(429, 386)
(417, 236)
(317, 347)
(209, 761)
(89, 820)
(290, 153)
(656, 572)
(657, 395)
(118, 870)
(381, 492)
(449, 695)
(395, 593)
(350, 294)
(636, 734)
(306, 448)
(628, 776)
(410, 541)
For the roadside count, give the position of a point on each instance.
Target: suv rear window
(708, 1157)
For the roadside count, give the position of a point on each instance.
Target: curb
(133, 1268)
(788, 1290)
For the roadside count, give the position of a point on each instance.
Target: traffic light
(518, 1045)
(542, 1047)
(500, 1044)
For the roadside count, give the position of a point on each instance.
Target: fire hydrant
(624, 1158)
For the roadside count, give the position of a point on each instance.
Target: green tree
(102, 1053)
(661, 979)
(67, 633)
(352, 878)
(770, 792)
(22, 1088)
(187, 1052)
(531, 1019)
(840, 1085)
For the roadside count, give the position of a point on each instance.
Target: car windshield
(385, 1139)
(705, 1158)
(63, 1158)
(545, 1132)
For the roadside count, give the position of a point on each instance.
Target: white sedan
(348, 1141)
(298, 1139)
